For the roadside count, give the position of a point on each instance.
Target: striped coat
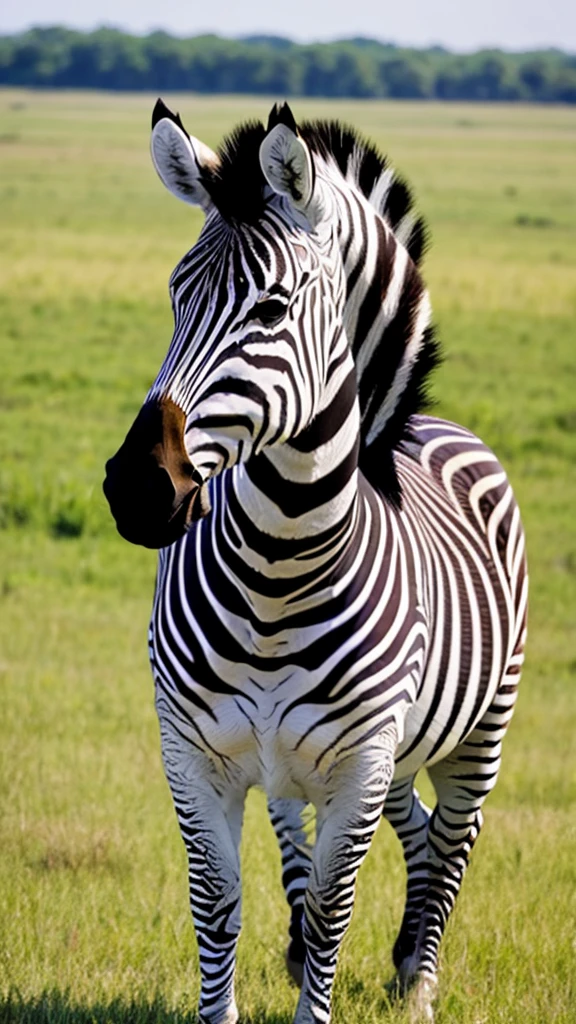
(341, 592)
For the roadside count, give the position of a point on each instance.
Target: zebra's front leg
(287, 819)
(210, 817)
(347, 819)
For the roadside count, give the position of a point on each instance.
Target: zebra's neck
(291, 511)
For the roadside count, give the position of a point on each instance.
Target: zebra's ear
(287, 164)
(183, 163)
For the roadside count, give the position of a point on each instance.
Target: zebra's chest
(265, 731)
(257, 735)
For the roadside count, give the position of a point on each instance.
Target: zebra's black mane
(238, 190)
(238, 187)
(347, 148)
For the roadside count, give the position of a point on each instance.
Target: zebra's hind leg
(287, 819)
(462, 782)
(409, 818)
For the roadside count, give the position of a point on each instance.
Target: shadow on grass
(53, 1007)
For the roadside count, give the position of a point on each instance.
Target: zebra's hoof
(229, 1016)
(295, 967)
(420, 999)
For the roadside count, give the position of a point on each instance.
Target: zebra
(341, 590)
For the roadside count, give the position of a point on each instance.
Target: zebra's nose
(151, 485)
(141, 498)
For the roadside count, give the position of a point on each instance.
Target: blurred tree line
(110, 59)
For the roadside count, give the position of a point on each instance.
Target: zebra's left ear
(286, 161)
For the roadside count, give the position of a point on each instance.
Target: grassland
(94, 924)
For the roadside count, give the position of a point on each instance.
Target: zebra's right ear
(183, 163)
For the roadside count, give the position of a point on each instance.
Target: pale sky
(464, 25)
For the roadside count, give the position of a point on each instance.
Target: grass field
(94, 923)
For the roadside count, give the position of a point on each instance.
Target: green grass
(94, 922)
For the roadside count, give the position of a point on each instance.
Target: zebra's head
(262, 309)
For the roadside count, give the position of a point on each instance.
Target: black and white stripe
(353, 608)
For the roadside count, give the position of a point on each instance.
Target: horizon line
(263, 35)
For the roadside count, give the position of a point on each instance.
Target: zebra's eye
(268, 311)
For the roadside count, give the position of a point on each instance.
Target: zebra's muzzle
(153, 490)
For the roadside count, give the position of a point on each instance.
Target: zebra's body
(238, 637)
(353, 607)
